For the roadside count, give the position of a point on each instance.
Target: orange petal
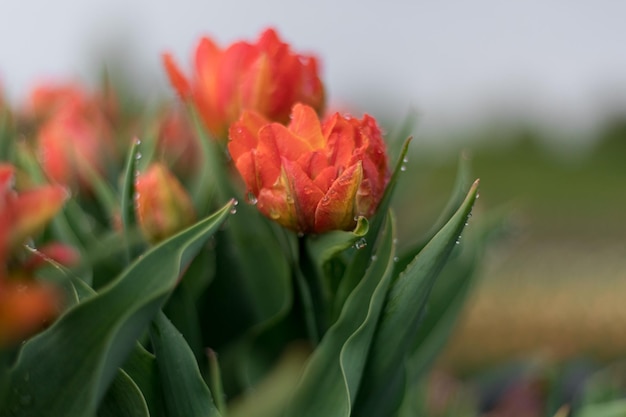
(177, 79)
(33, 209)
(24, 308)
(336, 209)
(306, 195)
(306, 125)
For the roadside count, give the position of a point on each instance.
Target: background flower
(267, 77)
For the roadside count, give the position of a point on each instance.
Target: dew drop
(396, 259)
(403, 168)
(374, 257)
(360, 244)
(137, 142)
(138, 155)
(405, 159)
(251, 198)
(274, 215)
(477, 196)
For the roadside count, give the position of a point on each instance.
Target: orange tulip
(309, 176)
(266, 77)
(72, 144)
(163, 206)
(26, 304)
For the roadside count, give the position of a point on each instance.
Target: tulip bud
(163, 206)
(309, 176)
(266, 77)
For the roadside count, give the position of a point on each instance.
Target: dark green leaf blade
(123, 399)
(383, 381)
(82, 357)
(184, 392)
(333, 373)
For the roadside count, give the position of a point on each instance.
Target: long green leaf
(459, 190)
(184, 392)
(384, 377)
(362, 258)
(82, 351)
(333, 374)
(123, 399)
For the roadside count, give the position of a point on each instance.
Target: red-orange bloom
(309, 176)
(266, 77)
(162, 205)
(25, 304)
(73, 144)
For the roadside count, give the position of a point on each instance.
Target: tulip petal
(306, 195)
(336, 209)
(177, 79)
(33, 209)
(306, 125)
(278, 204)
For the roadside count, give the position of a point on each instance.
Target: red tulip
(163, 206)
(266, 77)
(309, 176)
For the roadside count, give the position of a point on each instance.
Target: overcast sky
(456, 62)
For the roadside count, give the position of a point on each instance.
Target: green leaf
(362, 258)
(184, 392)
(615, 408)
(384, 377)
(459, 190)
(322, 248)
(141, 367)
(82, 350)
(123, 399)
(333, 374)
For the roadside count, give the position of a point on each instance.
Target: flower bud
(266, 77)
(309, 176)
(162, 205)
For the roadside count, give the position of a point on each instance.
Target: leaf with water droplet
(383, 380)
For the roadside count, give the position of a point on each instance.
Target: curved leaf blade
(333, 373)
(384, 376)
(83, 358)
(184, 392)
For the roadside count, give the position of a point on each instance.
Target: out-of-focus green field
(554, 285)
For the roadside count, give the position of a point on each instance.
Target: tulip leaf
(323, 247)
(362, 257)
(461, 184)
(383, 382)
(83, 358)
(142, 368)
(123, 399)
(333, 374)
(184, 391)
(252, 271)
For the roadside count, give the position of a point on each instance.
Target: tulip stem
(314, 287)
(308, 307)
